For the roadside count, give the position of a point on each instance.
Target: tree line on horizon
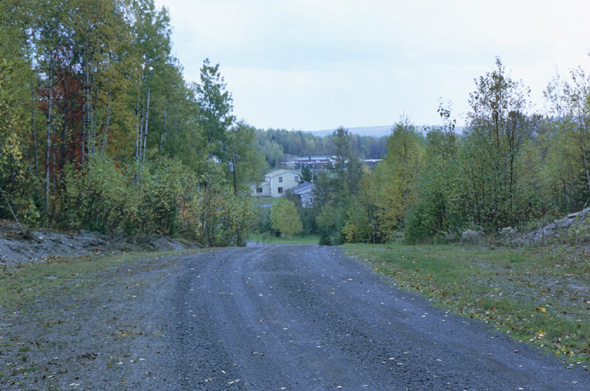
(278, 144)
(99, 130)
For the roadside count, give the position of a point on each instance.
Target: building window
(259, 190)
(296, 179)
(280, 179)
(280, 190)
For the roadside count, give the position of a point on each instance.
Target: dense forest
(99, 130)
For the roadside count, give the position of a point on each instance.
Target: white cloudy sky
(320, 64)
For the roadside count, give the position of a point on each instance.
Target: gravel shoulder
(259, 318)
(102, 333)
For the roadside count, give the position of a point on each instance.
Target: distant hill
(370, 131)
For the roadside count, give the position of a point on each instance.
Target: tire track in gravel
(311, 318)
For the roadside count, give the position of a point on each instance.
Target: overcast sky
(321, 64)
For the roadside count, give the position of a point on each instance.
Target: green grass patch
(297, 239)
(23, 285)
(261, 201)
(541, 296)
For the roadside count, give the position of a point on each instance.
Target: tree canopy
(99, 130)
(285, 219)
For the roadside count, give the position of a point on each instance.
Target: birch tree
(570, 101)
(496, 134)
(215, 110)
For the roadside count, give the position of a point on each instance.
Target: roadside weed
(297, 239)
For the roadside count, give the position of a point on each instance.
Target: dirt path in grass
(260, 318)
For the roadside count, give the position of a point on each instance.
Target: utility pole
(232, 168)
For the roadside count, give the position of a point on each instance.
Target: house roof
(281, 172)
(303, 188)
(311, 158)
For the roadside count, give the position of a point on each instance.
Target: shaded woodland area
(99, 129)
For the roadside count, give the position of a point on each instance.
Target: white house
(277, 183)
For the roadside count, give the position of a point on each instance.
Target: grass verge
(541, 296)
(24, 284)
(297, 239)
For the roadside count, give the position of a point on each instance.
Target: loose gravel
(260, 318)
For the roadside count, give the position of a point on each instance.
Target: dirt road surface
(285, 318)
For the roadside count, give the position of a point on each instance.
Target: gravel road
(310, 318)
(294, 318)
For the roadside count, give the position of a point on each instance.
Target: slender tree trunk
(48, 154)
(141, 130)
(163, 126)
(586, 168)
(12, 212)
(233, 160)
(512, 156)
(147, 118)
(34, 125)
(477, 210)
(93, 133)
(54, 161)
(137, 128)
(566, 197)
(138, 133)
(85, 103)
(63, 149)
(582, 137)
(106, 130)
(205, 226)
